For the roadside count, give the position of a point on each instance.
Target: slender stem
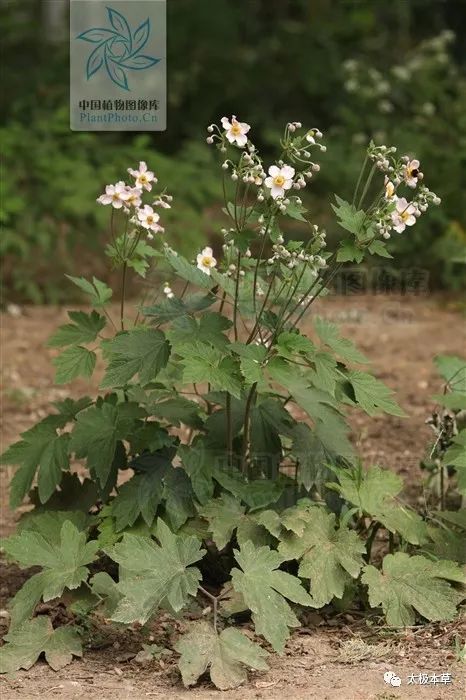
(123, 293)
(361, 173)
(367, 185)
(370, 540)
(229, 429)
(325, 281)
(391, 542)
(264, 303)
(246, 427)
(214, 601)
(235, 307)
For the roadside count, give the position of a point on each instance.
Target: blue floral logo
(118, 49)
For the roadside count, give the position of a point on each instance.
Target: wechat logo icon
(118, 49)
(391, 678)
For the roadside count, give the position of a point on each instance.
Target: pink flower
(148, 219)
(143, 177)
(403, 215)
(235, 131)
(116, 195)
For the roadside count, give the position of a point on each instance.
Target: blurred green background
(395, 72)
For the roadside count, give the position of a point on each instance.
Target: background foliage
(391, 70)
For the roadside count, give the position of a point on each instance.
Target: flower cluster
(394, 212)
(292, 171)
(129, 199)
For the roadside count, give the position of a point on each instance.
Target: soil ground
(338, 657)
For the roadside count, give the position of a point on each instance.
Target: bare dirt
(340, 657)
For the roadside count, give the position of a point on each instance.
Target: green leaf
(64, 562)
(311, 457)
(99, 292)
(349, 217)
(226, 655)
(178, 410)
(455, 456)
(326, 374)
(375, 493)
(349, 252)
(73, 494)
(84, 329)
(139, 351)
(203, 363)
(105, 587)
(372, 395)
(41, 448)
(290, 344)
(170, 309)
(26, 643)
(378, 247)
(179, 498)
(73, 362)
(446, 544)
(95, 436)
(224, 515)
(408, 584)
(329, 334)
(251, 358)
(141, 495)
(454, 400)
(329, 556)
(264, 589)
(330, 427)
(199, 462)
(151, 573)
(453, 369)
(188, 272)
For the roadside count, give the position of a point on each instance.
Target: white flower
(235, 131)
(161, 203)
(148, 219)
(280, 179)
(143, 176)
(411, 173)
(167, 290)
(390, 189)
(403, 215)
(205, 260)
(116, 195)
(134, 197)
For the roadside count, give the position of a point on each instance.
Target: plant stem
(361, 173)
(246, 426)
(235, 307)
(123, 293)
(391, 542)
(370, 540)
(214, 601)
(229, 429)
(367, 185)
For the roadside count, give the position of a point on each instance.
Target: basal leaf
(265, 590)
(64, 563)
(151, 573)
(375, 493)
(223, 515)
(26, 643)
(225, 655)
(413, 584)
(328, 556)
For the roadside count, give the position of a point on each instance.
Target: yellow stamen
(279, 181)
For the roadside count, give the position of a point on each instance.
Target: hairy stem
(246, 427)
(123, 294)
(214, 600)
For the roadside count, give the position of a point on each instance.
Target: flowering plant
(230, 421)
